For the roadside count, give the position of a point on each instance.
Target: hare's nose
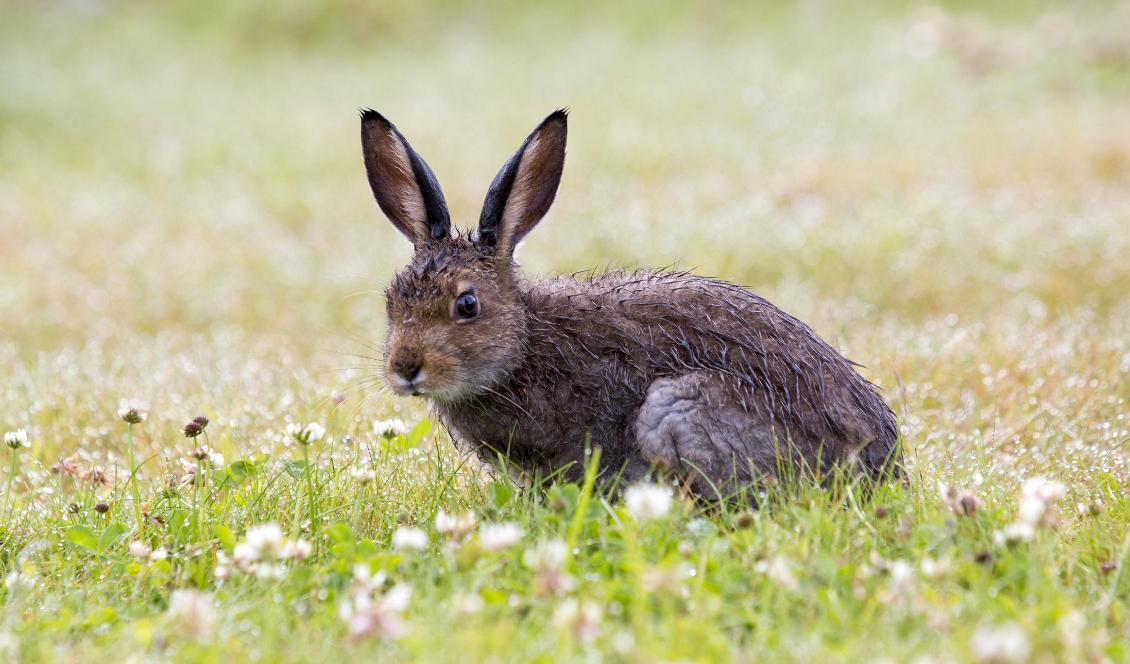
(407, 368)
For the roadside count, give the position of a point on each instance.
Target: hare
(665, 371)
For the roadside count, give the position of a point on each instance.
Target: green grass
(184, 220)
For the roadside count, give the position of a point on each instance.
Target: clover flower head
(17, 439)
(132, 412)
(194, 612)
(195, 427)
(1000, 643)
(304, 434)
(390, 428)
(406, 538)
(581, 618)
(499, 536)
(648, 501)
(456, 526)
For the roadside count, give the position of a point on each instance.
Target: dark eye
(466, 306)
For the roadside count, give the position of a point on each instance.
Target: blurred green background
(941, 190)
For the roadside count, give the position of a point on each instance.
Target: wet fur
(663, 370)
(595, 345)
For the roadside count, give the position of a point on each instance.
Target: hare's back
(639, 327)
(677, 319)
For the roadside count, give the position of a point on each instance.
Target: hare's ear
(404, 186)
(525, 187)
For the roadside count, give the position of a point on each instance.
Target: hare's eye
(466, 306)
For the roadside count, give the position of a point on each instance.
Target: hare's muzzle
(406, 373)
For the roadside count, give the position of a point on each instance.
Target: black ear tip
(560, 116)
(369, 115)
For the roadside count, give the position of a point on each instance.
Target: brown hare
(664, 371)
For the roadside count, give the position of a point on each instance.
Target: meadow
(941, 191)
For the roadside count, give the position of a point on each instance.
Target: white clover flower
(779, 571)
(397, 597)
(1015, 532)
(934, 569)
(267, 570)
(139, 549)
(390, 428)
(264, 552)
(1044, 489)
(1038, 498)
(388, 625)
(548, 553)
(18, 581)
(223, 569)
(902, 579)
(1000, 643)
(499, 536)
(405, 538)
(1031, 510)
(315, 431)
(667, 579)
(17, 439)
(455, 526)
(1037, 509)
(582, 619)
(203, 456)
(364, 579)
(368, 612)
(962, 502)
(363, 473)
(132, 412)
(304, 434)
(901, 571)
(158, 554)
(266, 540)
(244, 554)
(648, 501)
(214, 458)
(297, 549)
(547, 560)
(1092, 508)
(194, 613)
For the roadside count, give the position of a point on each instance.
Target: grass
(184, 220)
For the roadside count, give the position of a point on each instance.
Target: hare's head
(456, 320)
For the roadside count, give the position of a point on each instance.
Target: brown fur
(660, 369)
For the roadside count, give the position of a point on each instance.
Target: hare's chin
(421, 387)
(409, 388)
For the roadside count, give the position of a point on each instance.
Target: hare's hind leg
(698, 426)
